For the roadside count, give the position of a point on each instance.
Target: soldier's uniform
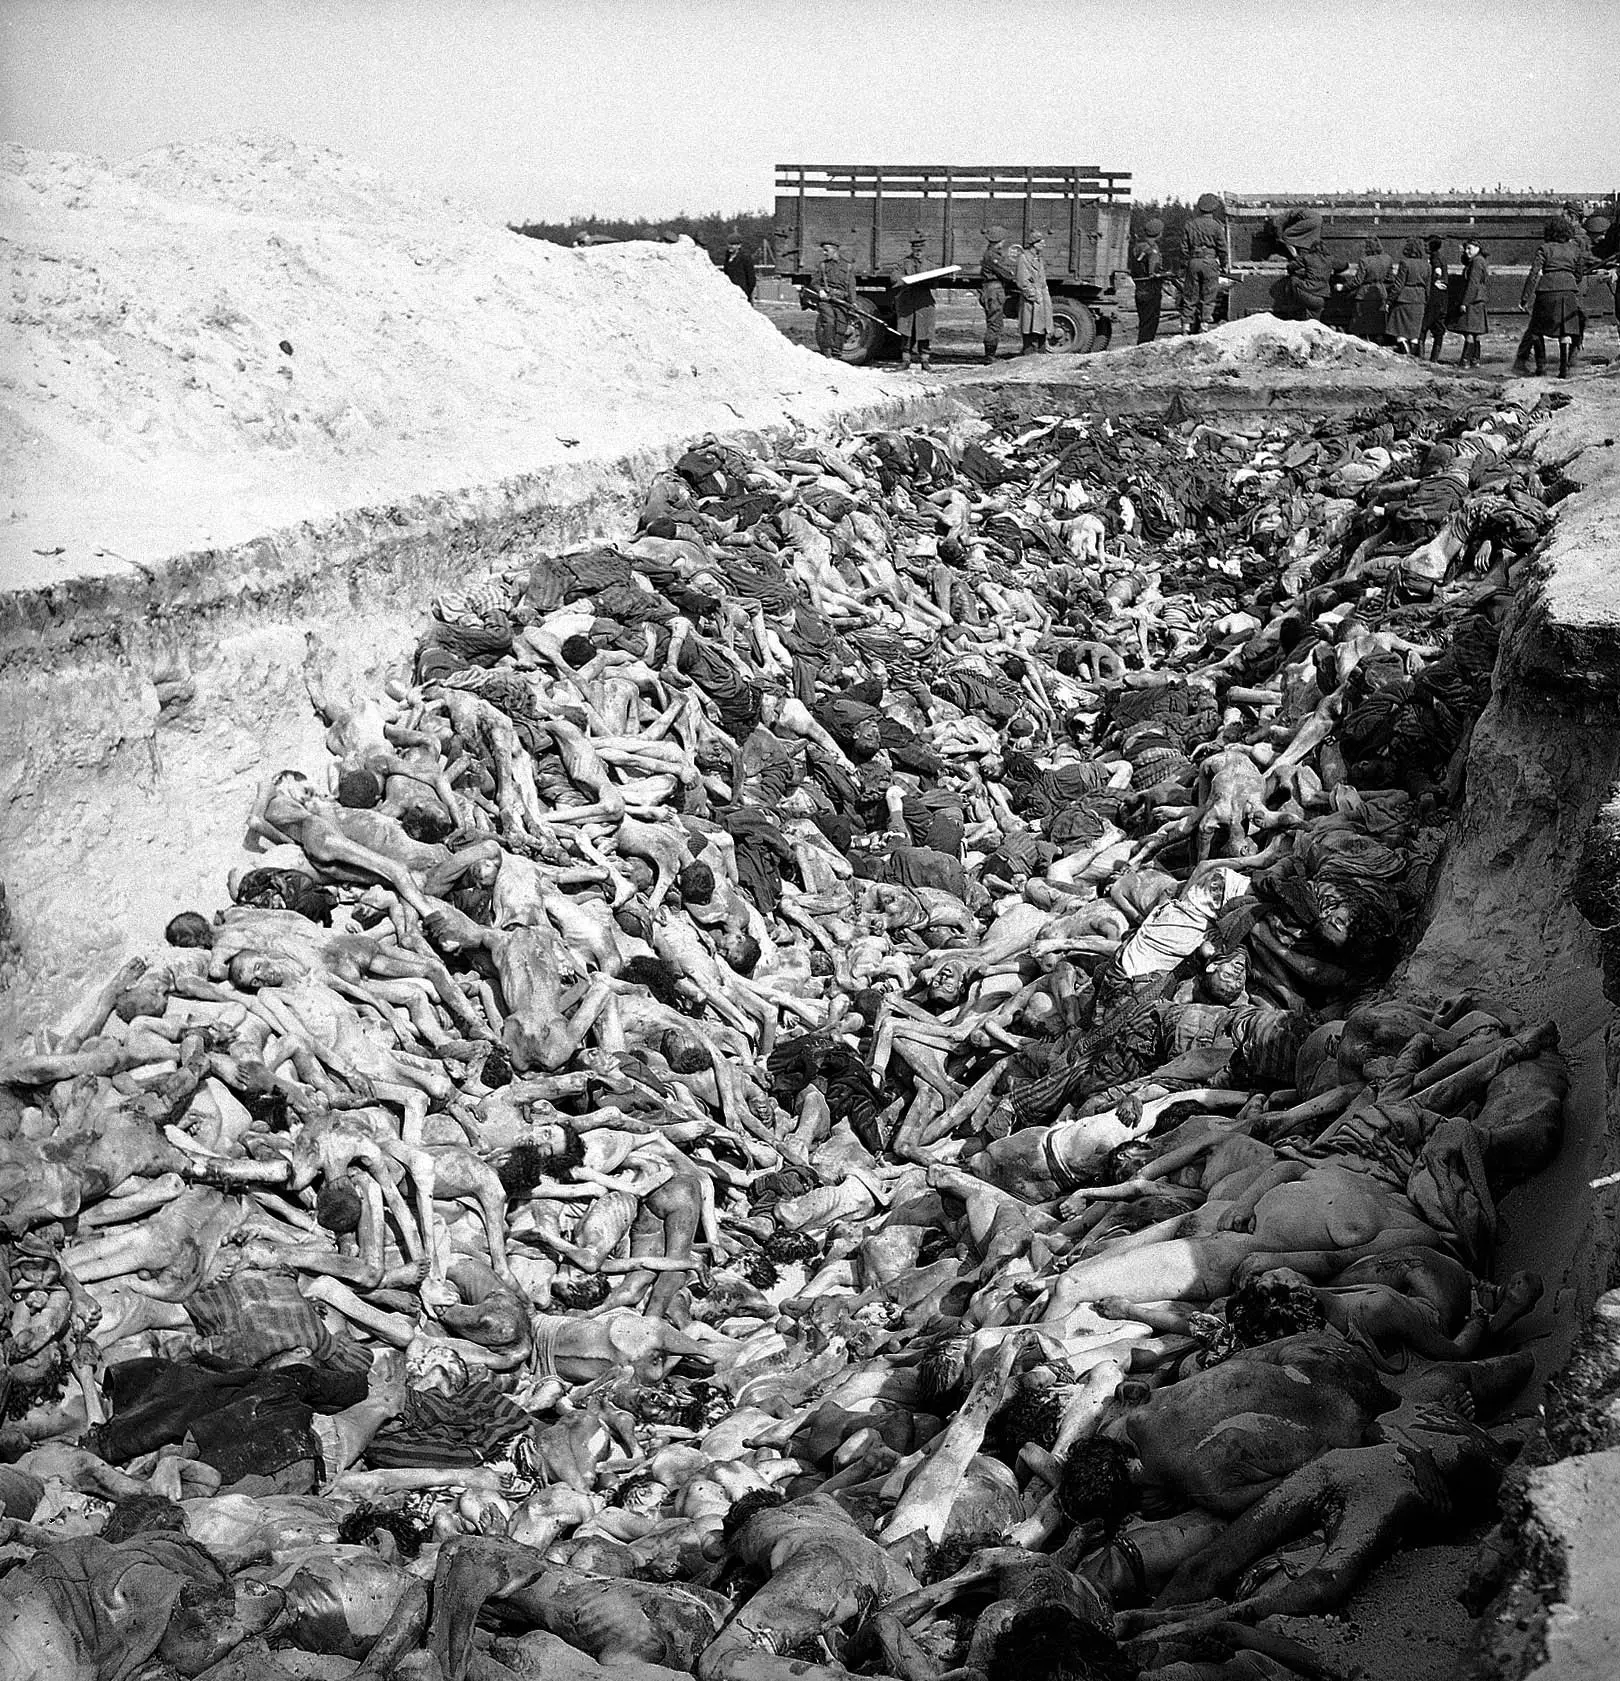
(834, 283)
(1204, 244)
(913, 305)
(995, 276)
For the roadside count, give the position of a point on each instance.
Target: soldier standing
(1147, 270)
(1205, 247)
(1035, 298)
(913, 305)
(996, 278)
(834, 284)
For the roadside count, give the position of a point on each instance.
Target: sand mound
(150, 402)
(1260, 343)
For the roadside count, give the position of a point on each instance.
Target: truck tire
(1074, 327)
(864, 340)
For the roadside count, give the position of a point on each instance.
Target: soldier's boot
(922, 354)
(1541, 358)
(990, 350)
(905, 358)
(1434, 355)
(1563, 359)
(1041, 345)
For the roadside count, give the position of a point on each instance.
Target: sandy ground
(216, 340)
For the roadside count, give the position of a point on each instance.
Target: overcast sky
(547, 108)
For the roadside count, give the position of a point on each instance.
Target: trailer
(872, 210)
(1508, 226)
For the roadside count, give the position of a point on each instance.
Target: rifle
(854, 309)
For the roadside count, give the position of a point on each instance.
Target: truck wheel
(1074, 327)
(864, 339)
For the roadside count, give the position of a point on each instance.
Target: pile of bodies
(810, 1098)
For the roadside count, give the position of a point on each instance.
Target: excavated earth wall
(140, 711)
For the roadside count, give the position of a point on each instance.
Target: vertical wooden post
(1074, 223)
(800, 264)
(877, 217)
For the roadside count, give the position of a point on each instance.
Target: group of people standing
(1413, 300)
(1410, 301)
(1010, 277)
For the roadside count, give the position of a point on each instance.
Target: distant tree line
(710, 231)
(713, 229)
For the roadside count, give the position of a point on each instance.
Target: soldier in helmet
(913, 305)
(1204, 245)
(996, 280)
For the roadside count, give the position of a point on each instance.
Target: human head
(190, 929)
(1472, 247)
(734, 241)
(1208, 204)
(551, 1151)
(1372, 245)
(1038, 237)
(1557, 228)
(830, 248)
(1053, 1642)
(425, 823)
(1435, 242)
(1226, 975)
(1272, 1306)
(338, 1206)
(918, 239)
(578, 650)
(359, 789)
(696, 884)
(250, 970)
(995, 233)
(1413, 247)
(742, 952)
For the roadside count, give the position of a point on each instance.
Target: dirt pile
(216, 340)
(1261, 343)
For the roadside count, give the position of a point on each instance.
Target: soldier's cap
(918, 237)
(828, 244)
(1038, 236)
(1597, 224)
(1208, 204)
(995, 233)
(1154, 227)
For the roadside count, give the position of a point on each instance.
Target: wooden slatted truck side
(872, 210)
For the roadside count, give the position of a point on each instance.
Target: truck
(1508, 226)
(873, 210)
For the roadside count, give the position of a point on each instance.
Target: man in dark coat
(996, 280)
(833, 285)
(1147, 271)
(738, 266)
(1204, 245)
(913, 305)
